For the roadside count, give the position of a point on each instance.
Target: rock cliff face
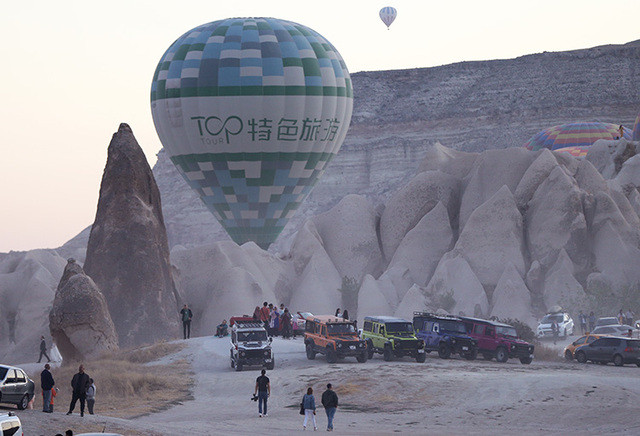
(468, 106)
(128, 253)
(79, 320)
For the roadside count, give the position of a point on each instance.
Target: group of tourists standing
(83, 389)
(307, 406)
(276, 320)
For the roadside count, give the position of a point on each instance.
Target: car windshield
(548, 319)
(252, 336)
(507, 331)
(452, 326)
(399, 327)
(3, 372)
(341, 329)
(607, 321)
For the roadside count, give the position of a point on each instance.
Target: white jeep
(250, 346)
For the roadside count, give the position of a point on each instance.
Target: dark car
(15, 387)
(445, 334)
(611, 349)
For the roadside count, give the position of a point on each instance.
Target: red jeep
(498, 340)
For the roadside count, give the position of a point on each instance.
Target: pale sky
(74, 70)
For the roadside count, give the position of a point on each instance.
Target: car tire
(568, 356)
(370, 349)
(387, 354)
(501, 355)
(618, 360)
(444, 351)
(311, 353)
(526, 360)
(24, 402)
(332, 356)
(581, 357)
(271, 365)
(421, 357)
(362, 357)
(238, 367)
(471, 355)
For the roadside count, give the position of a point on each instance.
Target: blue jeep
(445, 334)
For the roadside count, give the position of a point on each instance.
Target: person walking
(263, 390)
(309, 406)
(46, 383)
(43, 350)
(555, 330)
(583, 323)
(592, 321)
(330, 404)
(186, 321)
(80, 384)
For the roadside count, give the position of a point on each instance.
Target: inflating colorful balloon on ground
(578, 151)
(574, 135)
(251, 110)
(636, 129)
(388, 15)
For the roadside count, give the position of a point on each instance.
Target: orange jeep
(334, 337)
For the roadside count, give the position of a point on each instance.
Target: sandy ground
(439, 396)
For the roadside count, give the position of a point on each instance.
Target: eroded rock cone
(127, 253)
(79, 320)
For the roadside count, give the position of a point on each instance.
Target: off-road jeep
(391, 337)
(445, 334)
(250, 345)
(334, 337)
(498, 340)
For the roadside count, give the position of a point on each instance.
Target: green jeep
(392, 337)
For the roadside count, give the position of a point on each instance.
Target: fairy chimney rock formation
(128, 253)
(79, 320)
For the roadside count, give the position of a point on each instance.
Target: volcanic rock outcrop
(79, 320)
(128, 253)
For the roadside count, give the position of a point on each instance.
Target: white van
(10, 425)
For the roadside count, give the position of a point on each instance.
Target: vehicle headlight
(361, 344)
(242, 353)
(513, 346)
(339, 345)
(453, 340)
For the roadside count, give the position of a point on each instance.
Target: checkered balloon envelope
(251, 111)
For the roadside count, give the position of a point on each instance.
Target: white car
(564, 321)
(10, 424)
(616, 330)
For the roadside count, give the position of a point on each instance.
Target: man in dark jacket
(186, 315)
(79, 383)
(46, 383)
(330, 403)
(43, 350)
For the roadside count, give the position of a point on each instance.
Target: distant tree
(446, 301)
(349, 291)
(525, 332)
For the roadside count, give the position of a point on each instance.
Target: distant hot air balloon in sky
(388, 15)
(251, 110)
(574, 135)
(636, 129)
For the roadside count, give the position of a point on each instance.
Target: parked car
(608, 320)
(498, 340)
(392, 337)
(570, 350)
(564, 321)
(250, 345)
(10, 424)
(616, 330)
(445, 334)
(334, 337)
(15, 387)
(611, 349)
(299, 321)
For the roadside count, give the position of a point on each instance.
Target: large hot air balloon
(251, 110)
(388, 15)
(573, 135)
(636, 129)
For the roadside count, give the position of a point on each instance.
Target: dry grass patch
(126, 387)
(544, 353)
